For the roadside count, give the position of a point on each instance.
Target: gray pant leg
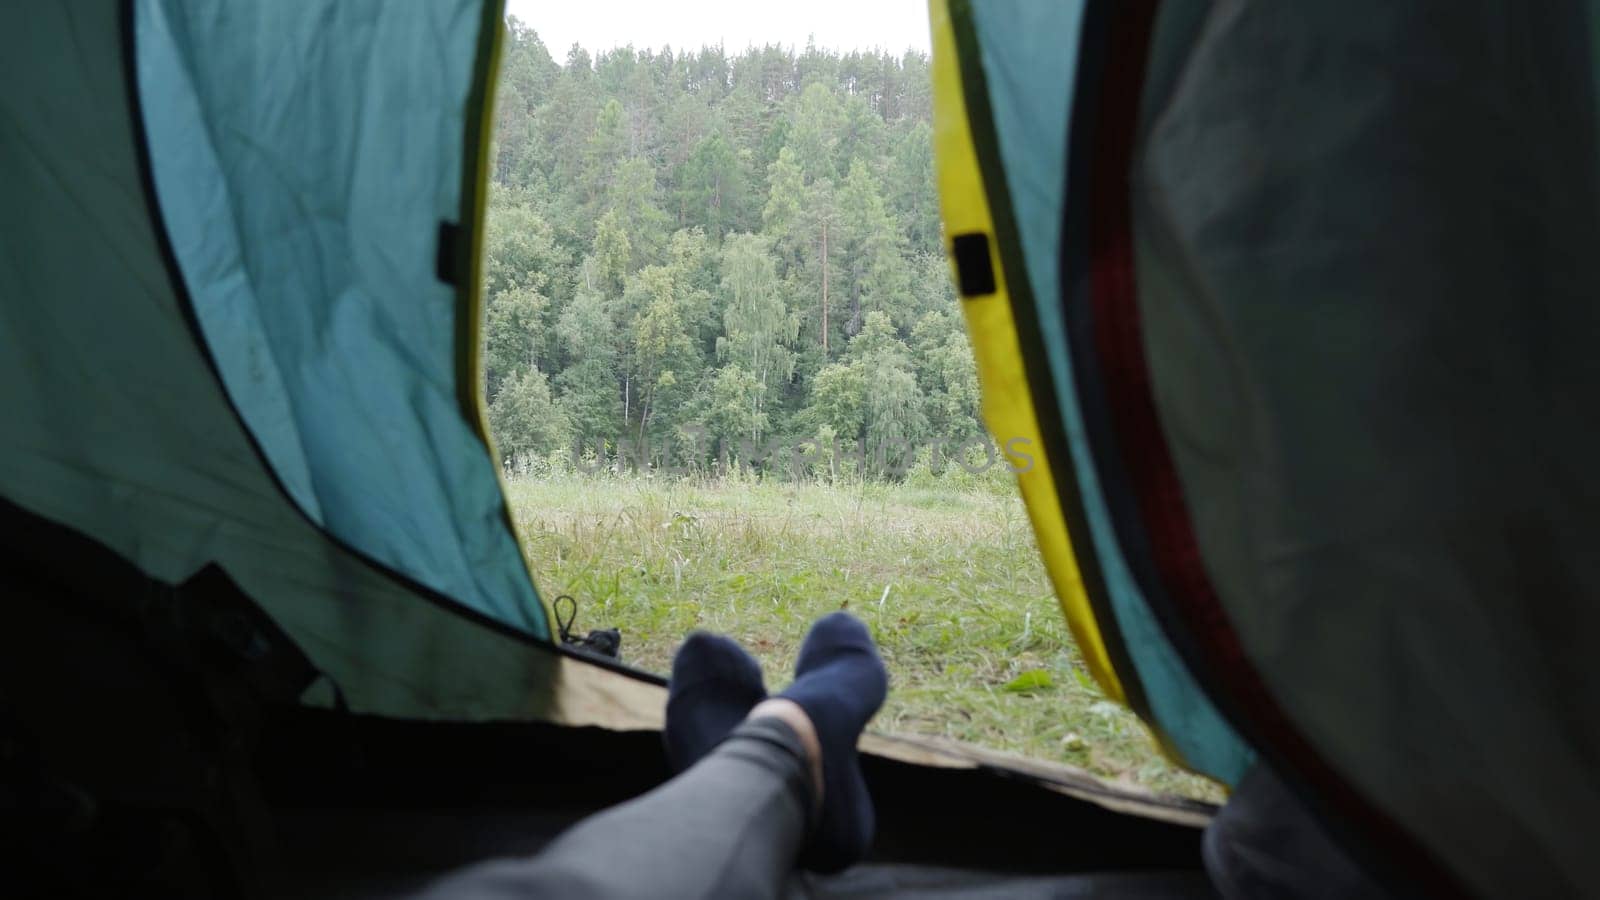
(730, 826)
(1264, 845)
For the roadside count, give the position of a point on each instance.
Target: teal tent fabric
(115, 425)
(304, 203)
(1367, 271)
(1029, 55)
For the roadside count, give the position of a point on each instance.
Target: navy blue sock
(840, 682)
(713, 686)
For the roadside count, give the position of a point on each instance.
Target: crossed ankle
(793, 715)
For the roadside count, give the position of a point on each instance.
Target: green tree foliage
(816, 121)
(712, 191)
(732, 415)
(663, 355)
(838, 401)
(588, 383)
(521, 249)
(894, 414)
(514, 335)
(879, 276)
(610, 262)
(784, 215)
(527, 421)
(632, 201)
(912, 190)
(948, 375)
(758, 330)
(603, 151)
(689, 248)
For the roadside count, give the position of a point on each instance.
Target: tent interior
(319, 683)
(1314, 493)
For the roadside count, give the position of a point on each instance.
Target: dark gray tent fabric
(1369, 273)
(116, 427)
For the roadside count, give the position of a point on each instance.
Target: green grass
(947, 578)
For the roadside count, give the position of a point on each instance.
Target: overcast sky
(894, 25)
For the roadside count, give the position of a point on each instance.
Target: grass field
(947, 578)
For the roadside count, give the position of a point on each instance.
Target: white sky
(893, 25)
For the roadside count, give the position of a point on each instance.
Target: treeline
(694, 250)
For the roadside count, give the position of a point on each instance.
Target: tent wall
(320, 213)
(1009, 405)
(1367, 270)
(117, 427)
(1320, 323)
(1019, 89)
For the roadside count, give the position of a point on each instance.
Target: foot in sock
(840, 683)
(714, 685)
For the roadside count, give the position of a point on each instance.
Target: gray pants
(736, 819)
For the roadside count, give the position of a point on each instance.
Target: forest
(693, 255)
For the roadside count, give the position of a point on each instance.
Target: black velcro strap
(448, 263)
(974, 269)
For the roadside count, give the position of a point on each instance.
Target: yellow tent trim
(470, 350)
(1007, 401)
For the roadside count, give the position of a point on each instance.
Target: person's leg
(839, 683)
(736, 822)
(731, 826)
(714, 686)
